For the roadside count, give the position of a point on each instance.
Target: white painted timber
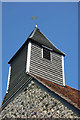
(36, 26)
(8, 79)
(42, 52)
(33, 33)
(63, 70)
(47, 47)
(28, 57)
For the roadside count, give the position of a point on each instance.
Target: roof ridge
(33, 32)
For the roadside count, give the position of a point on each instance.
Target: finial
(36, 26)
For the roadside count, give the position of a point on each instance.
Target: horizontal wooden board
(18, 68)
(47, 69)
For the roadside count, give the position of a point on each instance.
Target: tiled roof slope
(70, 94)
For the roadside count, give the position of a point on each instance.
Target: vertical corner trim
(42, 52)
(51, 56)
(28, 57)
(8, 78)
(63, 70)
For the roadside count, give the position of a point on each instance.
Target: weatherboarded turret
(36, 82)
(37, 56)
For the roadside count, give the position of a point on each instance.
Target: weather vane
(35, 20)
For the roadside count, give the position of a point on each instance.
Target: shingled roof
(39, 38)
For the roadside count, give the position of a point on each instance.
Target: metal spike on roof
(36, 26)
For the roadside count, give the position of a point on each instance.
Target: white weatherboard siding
(28, 57)
(8, 79)
(48, 69)
(63, 70)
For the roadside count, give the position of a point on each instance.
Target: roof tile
(68, 93)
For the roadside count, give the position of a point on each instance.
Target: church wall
(35, 101)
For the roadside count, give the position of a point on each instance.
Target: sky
(58, 21)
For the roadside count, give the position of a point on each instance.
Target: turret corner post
(63, 70)
(28, 57)
(8, 78)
